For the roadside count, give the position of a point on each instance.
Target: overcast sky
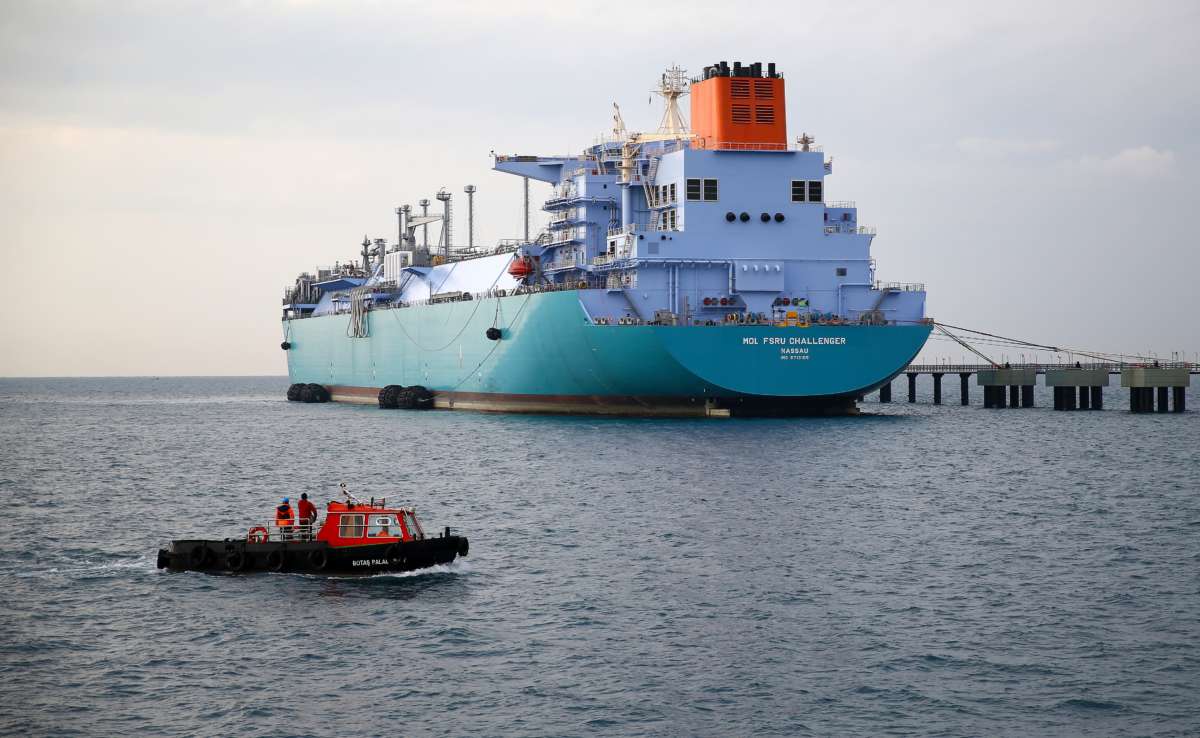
(166, 168)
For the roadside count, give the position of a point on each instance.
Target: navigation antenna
(672, 86)
(348, 496)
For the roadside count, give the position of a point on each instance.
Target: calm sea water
(924, 571)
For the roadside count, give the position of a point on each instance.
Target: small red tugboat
(356, 538)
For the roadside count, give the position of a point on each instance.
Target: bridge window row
(807, 190)
(702, 190)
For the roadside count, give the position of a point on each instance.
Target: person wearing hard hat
(285, 518)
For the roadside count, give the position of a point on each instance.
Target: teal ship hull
(552, 358)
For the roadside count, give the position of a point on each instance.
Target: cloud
(984, 146)
(1141, 161)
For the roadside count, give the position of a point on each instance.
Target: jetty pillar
(937, 389)
(1082, 385)
(912, 387)
(885, 393)
(964, 388)
(1027, 395)
(1003, 386)
(1180, 401)
(1142, 382)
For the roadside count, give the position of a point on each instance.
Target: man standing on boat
(308, 515)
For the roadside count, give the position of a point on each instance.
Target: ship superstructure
(694, 270)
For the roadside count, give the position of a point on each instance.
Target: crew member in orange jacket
(284, 518)
(308, 512)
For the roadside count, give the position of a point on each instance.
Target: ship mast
(672, 86)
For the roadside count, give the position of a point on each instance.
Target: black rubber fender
(285, 345)
(318, 559)
(422, 398)
(293, 393)
(275, 560)
(464, 547)
(493, 334)
(387, 396)
(164, 559)
(199, 556)
(405, 399)
(235, 561)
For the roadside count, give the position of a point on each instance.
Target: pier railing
(1111, 367)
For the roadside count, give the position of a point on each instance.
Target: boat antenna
(348, 496)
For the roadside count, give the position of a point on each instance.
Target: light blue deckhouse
(686, 272)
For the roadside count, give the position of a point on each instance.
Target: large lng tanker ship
(692, 271)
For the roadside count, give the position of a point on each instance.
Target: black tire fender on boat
(275, 560)
(199, 555)
(393, 553)
(235, 561)
(464, 546)
(318, 559)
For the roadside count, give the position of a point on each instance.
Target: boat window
(351, 526)
(710, 190)
(383, 525)
(814, 190)
(693, 189)
(841, 271)
(798, 192)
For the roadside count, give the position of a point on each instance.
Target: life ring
(257, 534)
(275, 560)
(235, 561)
(199, 555)
(582, 285)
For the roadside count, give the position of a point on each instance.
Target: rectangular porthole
(710, 190)
(694, 189)
(814, 191)
(798, 190)
(841, 271)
